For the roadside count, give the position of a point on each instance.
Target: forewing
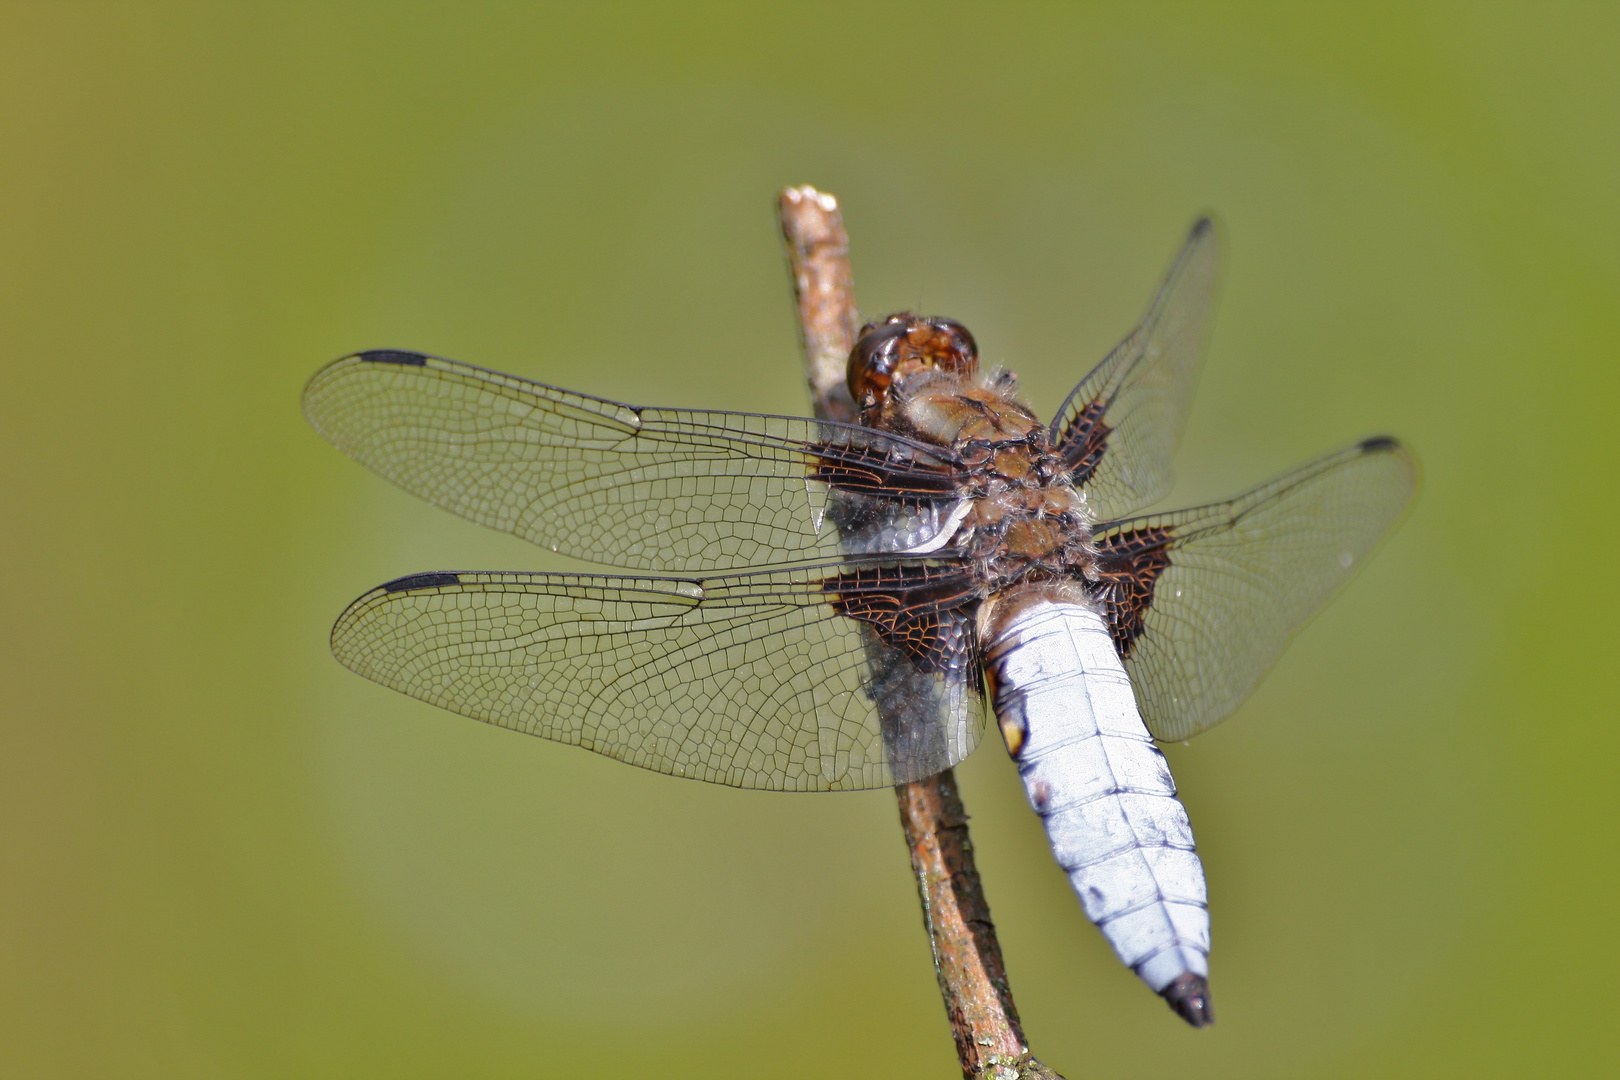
(1119, 429)
(644, 489)
(1201, 602)
(751, 680)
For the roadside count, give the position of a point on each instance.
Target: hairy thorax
(1025, 522)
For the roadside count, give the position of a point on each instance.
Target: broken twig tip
(805, 193)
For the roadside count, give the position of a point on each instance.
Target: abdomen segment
(1105, 795)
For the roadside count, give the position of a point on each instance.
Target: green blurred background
(223, 855)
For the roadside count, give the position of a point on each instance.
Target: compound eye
(952, 347)
(872, 360)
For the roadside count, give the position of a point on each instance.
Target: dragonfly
(809, 605)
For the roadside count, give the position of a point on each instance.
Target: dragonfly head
(902, 345)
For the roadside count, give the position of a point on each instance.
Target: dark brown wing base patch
(909, 607)
(1083, 442)
(1128, 567)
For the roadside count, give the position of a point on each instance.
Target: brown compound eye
(944, 344)
(872, 361)
(904, 344)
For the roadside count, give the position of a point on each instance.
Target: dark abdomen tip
(394, 356)
(1188, 995)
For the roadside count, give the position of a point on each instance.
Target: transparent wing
(643, 489)
(752, 680)
(1203, 601)
(1119, 429)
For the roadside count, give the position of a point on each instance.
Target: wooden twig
(972, 979)
(818, 258)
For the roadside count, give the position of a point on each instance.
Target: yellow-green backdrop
(223, 855)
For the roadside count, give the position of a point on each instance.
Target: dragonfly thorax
(1027, 523)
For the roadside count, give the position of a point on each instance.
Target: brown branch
(972, 979)
(818, 256)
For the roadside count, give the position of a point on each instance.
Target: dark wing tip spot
(1203, 225)
(1188, 995)
(394, 356)
(421, 581)
(1379, 443)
